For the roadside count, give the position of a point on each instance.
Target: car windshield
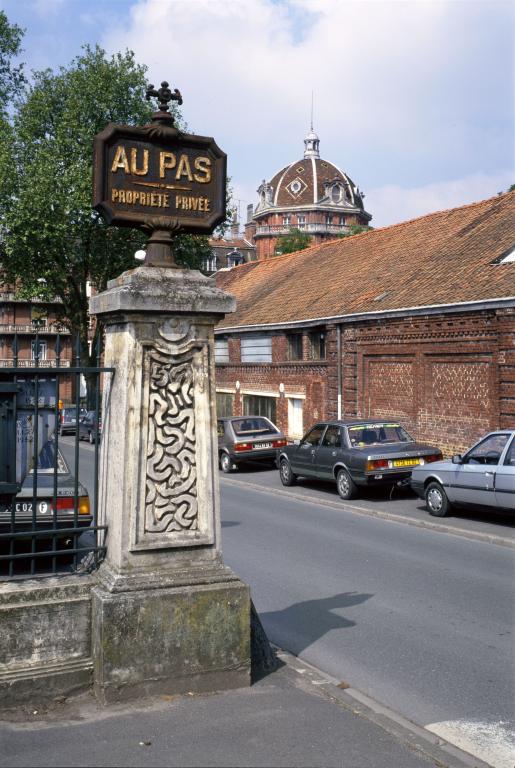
(377, 433)
(253, 426)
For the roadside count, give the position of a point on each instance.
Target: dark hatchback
(245, 438)
(355, 453)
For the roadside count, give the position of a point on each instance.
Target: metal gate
(48, 480)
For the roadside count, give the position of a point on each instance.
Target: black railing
(48, 483)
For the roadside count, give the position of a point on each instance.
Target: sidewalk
(295, 716)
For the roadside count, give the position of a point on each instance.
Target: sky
(413, 99)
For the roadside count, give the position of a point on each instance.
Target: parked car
(24, 516)
(68, 419)
(90, 428)
(247, 437)
(484, 477)
(355, 453)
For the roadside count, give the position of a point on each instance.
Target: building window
(336, 193)
(221, 351)
(317, 345)
(342, 221)
(234, 258)
(286, 220)
(301, 222)
(259, 405)
(224, 404)
(294, 341)
(210, 263)
(256, 349)
(41, 346)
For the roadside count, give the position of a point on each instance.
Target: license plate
(25, 507)
(260, 446)
(406, 462)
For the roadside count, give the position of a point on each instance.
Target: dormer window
(234, 258)
(336, 193)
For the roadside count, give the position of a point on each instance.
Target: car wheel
(345, 485)
(437, 502)
(225, 462)
(91, 438)
(285, 473)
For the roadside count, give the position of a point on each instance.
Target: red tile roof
(441, 258)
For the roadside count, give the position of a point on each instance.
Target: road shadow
(506, 519)
(301, 624)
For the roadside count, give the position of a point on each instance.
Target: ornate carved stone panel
(175, 506)
(171, 471)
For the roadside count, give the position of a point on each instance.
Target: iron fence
(48, 482)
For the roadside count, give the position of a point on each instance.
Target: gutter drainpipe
(339, 364)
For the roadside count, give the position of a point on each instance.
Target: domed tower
(312, 195)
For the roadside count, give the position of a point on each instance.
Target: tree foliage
(295, 240)
(50, 231)
(54, 242)
(356, 229)
(11, 77)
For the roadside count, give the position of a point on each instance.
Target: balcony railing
(11, 296)
(10, 362)
(30, 328)
(284, 229)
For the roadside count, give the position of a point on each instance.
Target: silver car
(483, 478)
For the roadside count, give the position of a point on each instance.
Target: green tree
(11, 77)
(54, 243)
(295, 240)
(356, 229)
(12, 81)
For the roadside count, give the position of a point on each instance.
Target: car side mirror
(457, 459)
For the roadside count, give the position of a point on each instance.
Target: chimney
(235, 225)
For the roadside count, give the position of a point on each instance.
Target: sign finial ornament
(164, 94)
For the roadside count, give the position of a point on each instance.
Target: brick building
(419, 325)
(19, 320)
(311, 195)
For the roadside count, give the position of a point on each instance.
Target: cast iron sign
(158, 178)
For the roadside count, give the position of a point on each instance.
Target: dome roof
(312, 180)
(309, 182)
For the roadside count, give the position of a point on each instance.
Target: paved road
(418, 619)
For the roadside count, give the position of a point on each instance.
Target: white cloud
(391, 200)
(406, 93)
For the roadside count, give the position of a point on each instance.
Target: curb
(416, 737)
(342, 506)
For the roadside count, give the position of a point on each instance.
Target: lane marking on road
(492, 742)
(342, 506)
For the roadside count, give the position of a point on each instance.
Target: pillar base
(170, 640)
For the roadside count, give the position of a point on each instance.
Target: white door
(295, 421)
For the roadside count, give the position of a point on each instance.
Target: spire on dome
(311, 144)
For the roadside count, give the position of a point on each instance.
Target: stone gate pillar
(168, 615)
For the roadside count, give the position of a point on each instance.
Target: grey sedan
(483, 478)
(355, 453)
